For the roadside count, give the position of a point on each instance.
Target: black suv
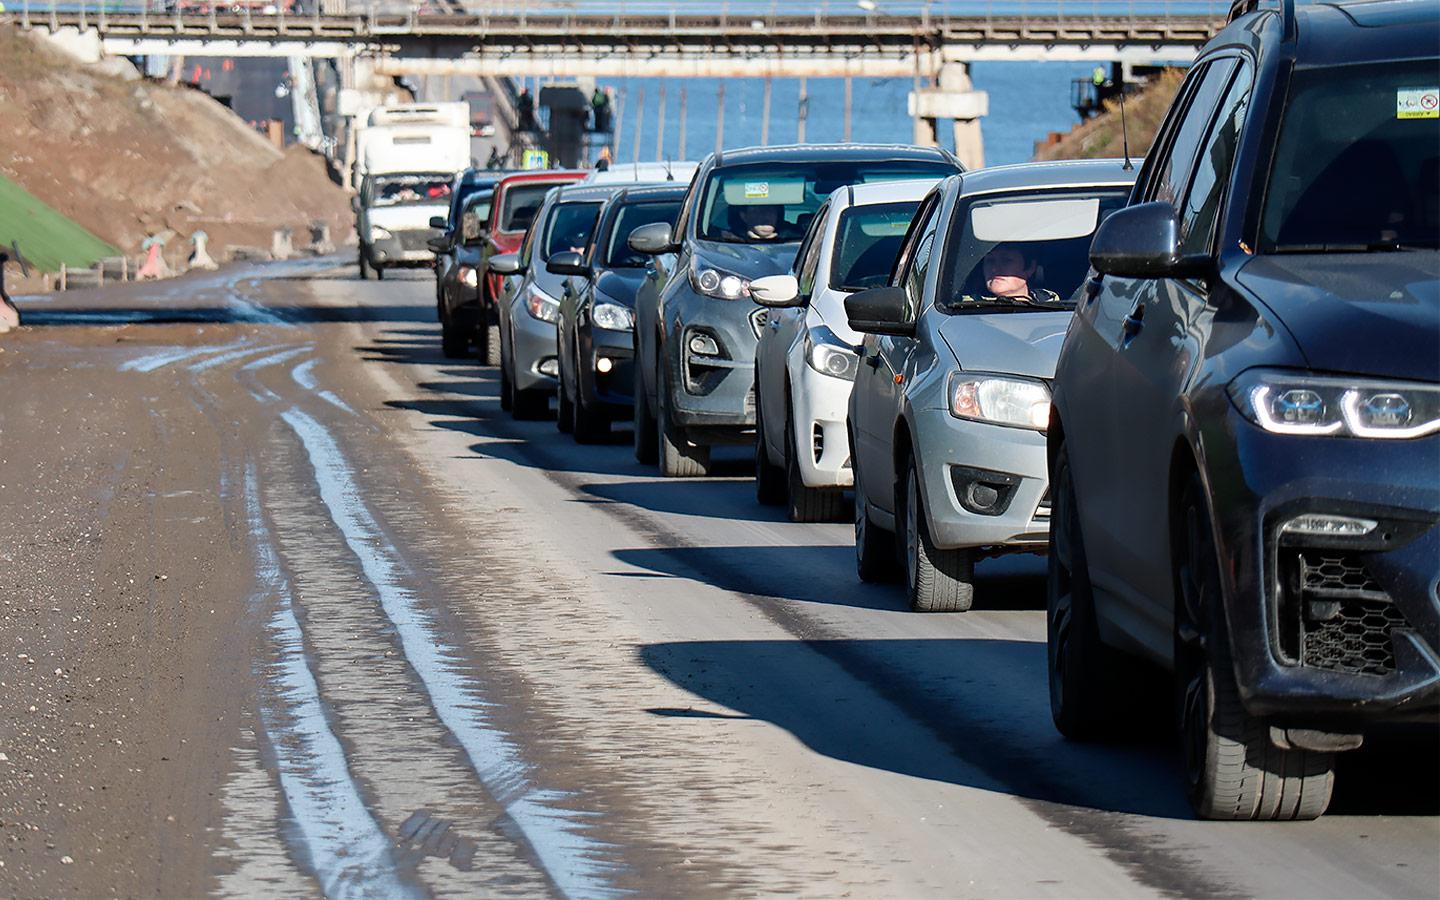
(695, 324)
(1245, 438)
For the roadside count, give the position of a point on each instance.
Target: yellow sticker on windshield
(757, 190)
(1417, 103)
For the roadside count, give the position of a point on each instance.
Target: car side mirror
(652, 239)
(506, 264)
(776, 291)
(438, 244)
(1143, 241)
(567, 262)
(879, 310)
(439, 222)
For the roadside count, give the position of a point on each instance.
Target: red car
(517, 198)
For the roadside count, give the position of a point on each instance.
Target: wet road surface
(291, 607)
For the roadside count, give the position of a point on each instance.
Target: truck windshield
(774, 202)
(1357, 164)
(521, 203)
(569, 228)
(867, 242)
(398, 190)
(630, 217)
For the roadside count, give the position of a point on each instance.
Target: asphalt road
(291, 607)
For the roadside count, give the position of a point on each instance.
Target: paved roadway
(292, 608)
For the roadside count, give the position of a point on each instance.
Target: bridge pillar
(954, 98)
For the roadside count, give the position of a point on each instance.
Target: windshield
(868, 240)
(1357, 165)
(521, 203)
(466, 190)
(569, 228)
(476, 214)
(774, 202)
(400, 190)
(630, 217)
(1023, 251)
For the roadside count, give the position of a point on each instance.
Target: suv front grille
(1345, 620)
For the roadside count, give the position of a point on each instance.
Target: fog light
(549, 367)
(704, 345)
(1334, 526)
(983, 492)
(604, 364)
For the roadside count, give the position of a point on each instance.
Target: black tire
(454, 342)
(676, 455)
(1084, 673)
(645, 439)
(591, 426)
(769, 478)
(367, 272)
(807, 504)
(482, 342)
(1233, 769)
(529, 405)
(874, 546)
(936, 580)
(565, 410)
(490, 352)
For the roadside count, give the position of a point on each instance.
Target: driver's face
(1006, 272)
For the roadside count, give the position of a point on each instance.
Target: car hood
(749, 261)
(1361, 313)
(620, 285)
(1018, 343)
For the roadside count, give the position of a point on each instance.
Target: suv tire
(678, 457)
(644, 423)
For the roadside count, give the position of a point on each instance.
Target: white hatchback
(806, 360)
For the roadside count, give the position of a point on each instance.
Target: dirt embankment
(131, 158)
(1101, 136)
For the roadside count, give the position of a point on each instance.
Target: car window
(809, 257)
(1212, 170)
(520, 204)
(917, 267)
(866, 243)
(1357, 161)
(402, 190)
(1178, 158)
(630, 217)
(568, 227)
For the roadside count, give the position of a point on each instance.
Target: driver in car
(755, 222)
(1009, 271)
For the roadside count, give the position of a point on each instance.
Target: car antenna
(1124, 129)
(669, 175)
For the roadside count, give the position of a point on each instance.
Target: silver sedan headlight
(1000, 400)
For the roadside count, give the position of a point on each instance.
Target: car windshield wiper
(991, 304)
(1371, 247)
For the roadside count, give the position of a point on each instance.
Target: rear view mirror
(506, 264)
(881, 310)
(439, 222)
(1143, 241)
(567, 262)
(652, 239)
(776, 291)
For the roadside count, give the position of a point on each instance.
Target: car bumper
(1330, 632)
(953, 454)
(711, 392)
(612, 389)
(819, 405)
(405, 248)
(533, 343)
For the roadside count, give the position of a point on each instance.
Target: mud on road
(291, 608)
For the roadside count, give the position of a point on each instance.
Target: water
(1027, 100)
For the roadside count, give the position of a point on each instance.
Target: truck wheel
(1233, 770)
(677, 456)
(367, 272)
(936, 580)
(807, 504)
(1084, 672)
(769, 479)
(874, 547)
(645, 439)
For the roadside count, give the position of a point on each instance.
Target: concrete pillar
(954, 98)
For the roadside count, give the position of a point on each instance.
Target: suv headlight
(1000, 400)
(829, 355)
(541, 305)
(718, 284)
(1283, 402)
(612, 316)
(379, 234)
(468, 276)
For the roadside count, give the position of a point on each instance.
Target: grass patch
(46, 238)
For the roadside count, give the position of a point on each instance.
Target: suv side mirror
(776, 291)
(567, 262)
(879, 311)
(439, 222)
(652, 239)
(506, 264)
(1143, 241)
(438, 244)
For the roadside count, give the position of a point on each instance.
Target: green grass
(46, 238)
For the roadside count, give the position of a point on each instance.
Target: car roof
(1369, 31)
(832, 152)
(575, 193)
(1057, 174)
(648, 192)
(562, 176)
(886, 191)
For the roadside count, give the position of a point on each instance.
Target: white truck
(407, 157)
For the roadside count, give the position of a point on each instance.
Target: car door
(877, 397)
(779, 334)
(1101, 419)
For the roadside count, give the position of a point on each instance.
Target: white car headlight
(829, 355)
(613, 317)
(541, 305)
(1283, 402)
(468, 276)
(1000, 400)
(379, 234)
(718, 284)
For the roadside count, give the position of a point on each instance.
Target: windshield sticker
(1417, 103)
(757, 190)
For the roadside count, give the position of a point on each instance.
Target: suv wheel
(937, 580)
(645, 439)
(678, 457)
(564, 407)
(591, 427)
(1233, 769)
(807, 504)
(769, 479)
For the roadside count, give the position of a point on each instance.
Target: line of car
(1207, 388)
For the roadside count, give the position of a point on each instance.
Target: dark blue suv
(1245, 437)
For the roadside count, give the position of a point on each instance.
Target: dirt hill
(1100, 136)
(127, 158)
